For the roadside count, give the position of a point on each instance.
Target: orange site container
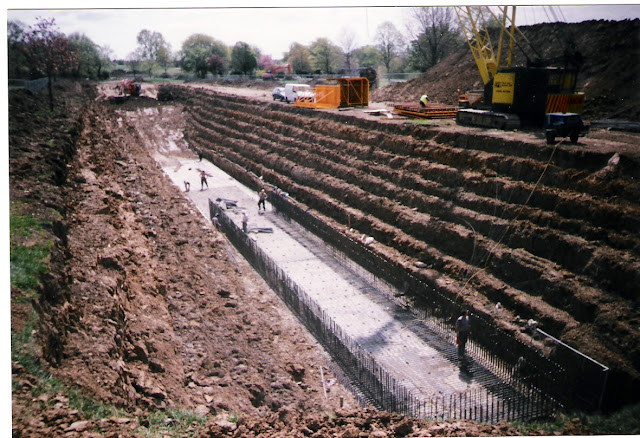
(348, 92)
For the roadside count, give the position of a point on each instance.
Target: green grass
(623, 422)
(29, 250)
(27, 263)
(46, 113)
(172, 423)
(21, 350)
(22, 225)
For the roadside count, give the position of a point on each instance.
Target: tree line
(431, 34)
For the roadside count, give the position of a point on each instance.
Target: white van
(293, 91)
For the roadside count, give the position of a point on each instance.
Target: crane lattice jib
(508, 27)
(473, 25)
(478, 40)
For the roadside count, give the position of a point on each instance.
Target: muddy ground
(147, 308)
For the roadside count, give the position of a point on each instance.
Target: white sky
(270, 26)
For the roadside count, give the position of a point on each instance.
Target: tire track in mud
(560, 259)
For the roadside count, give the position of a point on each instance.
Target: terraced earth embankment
(549, 232)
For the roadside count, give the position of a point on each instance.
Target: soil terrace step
(285, 182)
(569, 255)
(292, 151)
(511, 158)
(419, 216)
(442, 230)
(576, 205)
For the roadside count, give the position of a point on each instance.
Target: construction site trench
(393, 358)
(515, 230)
(147, 306)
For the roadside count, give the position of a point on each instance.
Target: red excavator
(128, 87)
(273, 70)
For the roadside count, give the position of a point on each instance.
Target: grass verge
(623, 422)
(172, 423)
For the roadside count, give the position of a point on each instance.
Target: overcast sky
(272, 27)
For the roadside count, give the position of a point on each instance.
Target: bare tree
(389, 43)
(434, 34)
(348, 46)
(49, 52)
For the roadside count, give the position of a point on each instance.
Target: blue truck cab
(564, 125)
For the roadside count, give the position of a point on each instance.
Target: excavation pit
(411, 364)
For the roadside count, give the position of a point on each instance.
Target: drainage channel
(396, 361)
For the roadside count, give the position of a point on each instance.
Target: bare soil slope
(550, 233)
(145, 306)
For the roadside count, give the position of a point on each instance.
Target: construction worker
(423, 100)
(245, 221)
(261, 201)
(463, 330)
(203, 180)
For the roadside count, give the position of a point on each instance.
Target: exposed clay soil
(491, 217)
(146, 307)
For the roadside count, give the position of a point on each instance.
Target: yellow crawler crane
(513, 95)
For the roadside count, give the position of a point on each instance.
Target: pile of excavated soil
(609, 76)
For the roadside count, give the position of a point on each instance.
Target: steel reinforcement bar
(494, 348)
(506, 356)
(518, 396)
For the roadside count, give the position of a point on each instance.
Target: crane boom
(472, 20)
